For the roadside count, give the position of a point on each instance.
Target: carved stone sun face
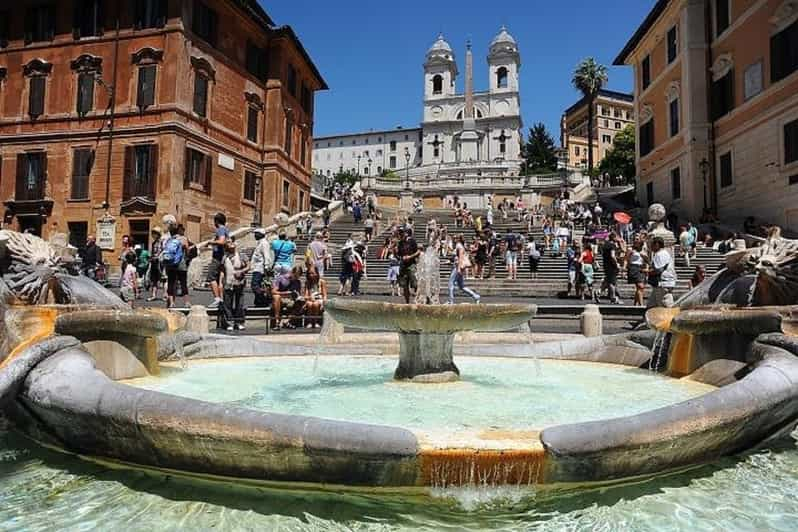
(775, 265)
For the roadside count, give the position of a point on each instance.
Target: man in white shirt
(662, 276)
(684, 244)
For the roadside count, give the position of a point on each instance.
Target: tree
(538, 151)
(589, 78)
(345, 177)
(620, 159)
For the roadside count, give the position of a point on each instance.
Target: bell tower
(504, 62)
(440, 70)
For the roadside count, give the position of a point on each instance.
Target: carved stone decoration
(202, 65)
(721, 66)
(87, 63)
(254, 100)
(147, 56)
(3, 74)
(32, 264)
(784, 15)
(37, 67)
(646, 113)
(672, 91)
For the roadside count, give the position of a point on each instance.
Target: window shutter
(252, 124)
(43, 177)
(130, 161)
(36, 96)
(152, 176)
(30, 24)
(77, 19)
(200, 94)
(213, 24)
(85, 93)
(146, 89)
(187, 173)
(208, 160)
(100, 16)
(22, 160)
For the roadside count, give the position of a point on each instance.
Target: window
(199, 168)
(36, 96)
(250, 178)
(146, 87)
(40, 23)
(576, 151)
(307, 99)
(31, 176)
(149, 14)
(721, 16)
(723, 95)
(252, 123)
(407, 137)
(646, 138)
(437, 84)
(85, 101)
(301, 199)
(606, 139)
(5, 28)
(257, 61)
(676, 183)
(784, 52)
(289, 133)
(726, 178)
(673, 115)
(82, 163)
(605, 111)
(89, 19)
(392, 161)
(205, 22)
(286, 193)
(650, 193)
(793, 179)
(617, 125)
(616, 113)
(393, 145)
(672, 44)
(791, 142)
(291, 80)
(200, 94)
(501, 78)
(303, 148)
(78, 234)
(606, 123)
(645, 72)
(141, 171)
(379, 153)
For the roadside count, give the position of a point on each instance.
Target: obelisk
(469, 139)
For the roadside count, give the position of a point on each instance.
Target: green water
(493, 393)
(45, 490)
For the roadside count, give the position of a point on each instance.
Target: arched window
(437, 84)
(460, 115)
(501, 78)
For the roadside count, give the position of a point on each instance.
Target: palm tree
(589, 78)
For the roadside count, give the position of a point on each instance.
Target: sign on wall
(225, 161)
(753, 80)
(106, 232)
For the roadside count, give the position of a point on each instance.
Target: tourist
(460, 264)
(128, 282)
(493, 253)
(661, 274)
(173, 257)
(612, 267)
(480, 251)
(315, 296)
(547, 233)
(318, 255)
(368, 227)
(634, 271)
(325, 215)
(286, 292)
(572, 261)
(393, 271)
(262, 266)
(155, 269)
(698, 277)
(533, 256)
(234, 269)
(693, 232)
(408, 255)
(684, 245)
(555, 247)
(357, 213)
(127, 248)
(284, 250)
(489, 215)
(587, 260)
(91, 258)
(221, 236)
(358, 266)
(511, 255)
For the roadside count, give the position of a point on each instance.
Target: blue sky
(371, 52)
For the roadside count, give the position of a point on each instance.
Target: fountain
(726, 383)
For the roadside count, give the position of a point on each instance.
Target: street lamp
(407, 168)
(704, 167)
(358, 164)
(369, 165)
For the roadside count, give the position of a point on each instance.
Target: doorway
(140, 233)
(78, 234)
(30, 224)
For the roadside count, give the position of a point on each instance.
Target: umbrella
(622, 217)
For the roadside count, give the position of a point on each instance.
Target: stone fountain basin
(66, 402)
(433, 319)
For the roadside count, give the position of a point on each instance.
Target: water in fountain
(526, 330)
(331, 333)
(659, 349)
(179, 351)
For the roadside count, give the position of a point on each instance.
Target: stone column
(426, 357)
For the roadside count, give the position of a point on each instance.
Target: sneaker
(215, 303)
(230, 328)
(618, 301)
(241, 327)
(477, 300)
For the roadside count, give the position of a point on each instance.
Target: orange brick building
(716, 101)
(212, 111)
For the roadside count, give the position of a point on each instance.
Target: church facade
(461, 135)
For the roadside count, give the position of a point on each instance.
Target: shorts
(511, 257)
(155, 272)
(214, 271)
(393, 274)
(572, 276)
(368, 231)
(281, 268)
(127, 293)
(635, 275)
(611, 276)
(407, 277)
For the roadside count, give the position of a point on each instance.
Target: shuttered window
(252, 123)
(723, 95)
(36, 96)
(31, 176)
(205, 22)
(646, 138)
(784, 53)
(645, 72)
(674, 116)
(141, 171)
(149, 14)
(673, 45)
(39, 23)
(249, 185)
(82, 163)
(791, 142)
(291, 80)
(721, 16)
(200, 95)
(676, 183)
(726, 175)
(85, 101)
(146, 86)
(650, 193)
(198, 170)
(88, 19)
(289, 134)
(257, 61)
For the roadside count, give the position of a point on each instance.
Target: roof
(288, 32)
(625, 96)
(649, 21)
(256, 12)
(364, 133)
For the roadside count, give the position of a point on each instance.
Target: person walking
(661, 275)
(368, 227)
(634, 271)
(611, 267)
(220, 239)
(128, 282)
(533, 256)
(684, 245)
(511, 256)
(156, 268)
(587, 260)
(262, 266)
(172, 257)
(460, 265)
(318, 253)
(408, 256)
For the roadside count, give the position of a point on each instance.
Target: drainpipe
(713, 192)
(106, 203)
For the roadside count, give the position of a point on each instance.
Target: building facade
(612, 112)
(716, 96)
(119, 112)
(465, 134)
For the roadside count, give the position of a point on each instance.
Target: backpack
(173, 252)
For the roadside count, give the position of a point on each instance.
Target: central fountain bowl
(426, 332)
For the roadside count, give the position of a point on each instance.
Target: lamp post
(704, 167)
(369, 165)
(407, 168)
(358, 164)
